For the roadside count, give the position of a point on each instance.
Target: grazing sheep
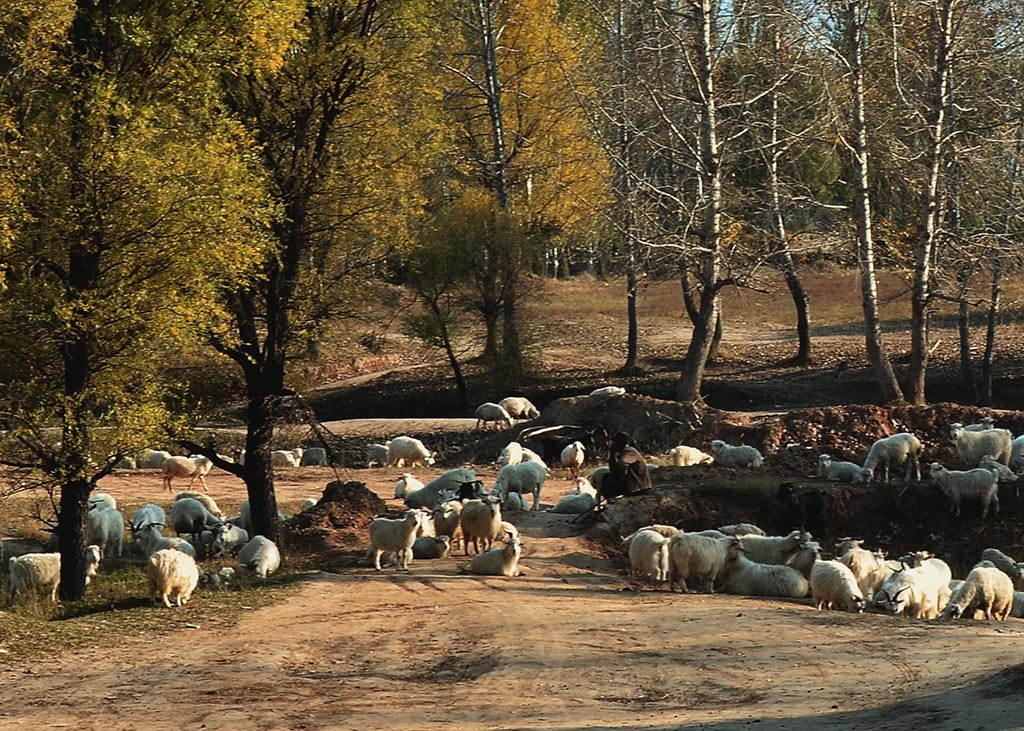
(314, 457)
(740, 575)
(575, 504)
(607, 391)
(150, 540)
(519, 407)
(148, 514)
(408, 450)
(684, 456)
(801, 510)
(407, 483)
(102, 500)
(151, 459)
(514, 502)
(205, 499)
(171, 573)
(870, 570)
(981, 484)
(433, 493)
(259, 556)
(511, 454)
(1003, 473)
(986, 590)
(498, 561)
(376, 454)
(834, 471)
(772, 549)
(229, 539)
(895, 450)
(286, 457)
(492, 413)
(1007, 565)
(648, 555)
(972, 446)
(694, 556)
(741, 529)
(919, 592)
(523, 478)
(188, 515)
(40, 572)
(728, 455)
(432, 547)
(106, 530)
(447, 521)
(833, 586)
(195, 467)
(388, 535)
(481, 522)
(572, 457)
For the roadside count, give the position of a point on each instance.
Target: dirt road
(573, 644)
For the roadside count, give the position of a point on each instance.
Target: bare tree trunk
(963, 324)
(985, 389)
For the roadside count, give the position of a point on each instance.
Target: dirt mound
(336, 526)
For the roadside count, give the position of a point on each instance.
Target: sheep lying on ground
(742, 455)
(773, 549)
(977, 484)
(441, 489)
(259, 556)
(519, 407)
(1013, 569)
(887, 452)
(229, 539)
(492, 413)
(574, 504)
(740, 575)
(481, 523)
(314, 457)
(406, 484)
(40, 572)
(530, 456)
(699, 557)
(741, 529)
(514, 502)
(286, 457)
(684, 456)
(376, 454)
(523, 478)
(607, 391)
(171, 574)
(194, 467)
(833, 586)
(432, 547)
(837, 471)
(986, 590)
(986, 423)
(408, 450)
(973, 445)
(396, 536)
(502, 561)
(572, 457)
(648, 555)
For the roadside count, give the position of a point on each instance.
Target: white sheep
(40, 572)
(987, 422)
(151, 459)
(648, 555)
(194, 467)
(1017, 453)
(741, 529)
(307, 504)
(773, 549)
(481, 522)
(919, 592)
(574, 504)
(407, 483)
(149, 513)
(514, 502)
(523, 478)
(502, 561)
(188, 515)
(314, 457)
(582, 486)
(573, 457)
(666, 530)
(607, 391)
(519, 407)
(446, 518)
(388, 535)
(742, 455)
(447, 484)
(376, 454)
(511, 454)
(102, 500)
(171, 573)
(833, 586)
(972, 446)
(259, 556)
(208, 502)
(229, 539)
(530, 456)
(986, 590)
(491, 413)
(740, 575)
(694, 556)
(839, 471)
(508, 532)
(870, 570)
(286, 457)
(806, 557)
(408, 450)
(977, 484)
(106, 530)
(432, 547)
(895, 450)
(1007, 565)
(150, 540)
(684, 456)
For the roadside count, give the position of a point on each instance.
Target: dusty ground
(573, 644)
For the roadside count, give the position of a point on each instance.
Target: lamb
(894, 450)
(432, 547)
(741, 529)
(260, 557)
(491, 413)
(152, 459)
(502, 561)
(684, 456)
(431, 494)
(40, 572)
(172, 573)
(519, 407)
(740, 575)
(572, 458)
(987, 590)
(407, 483)
(396, 536)
(522, 478)
(286, 457)
(648, 555)
(980, 483)
(972, 446)
(102, 500)
(575, 504)
(376, 454)
(728, 455)
(205, 499)
(196, 466)
(838, 471)
(511, 454)
(773, 549)
(833, 586)
(106, 530)
(188, 515)
(314, 457)
(229, 539)
(697, 556)
(447, 520)
(920, 592)
(1007, 565)
(402, 450)
(481, 522)
(607, 391)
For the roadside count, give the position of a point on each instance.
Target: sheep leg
(536, 498)
(376, 558)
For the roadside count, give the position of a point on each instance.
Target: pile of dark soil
(335, 527)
